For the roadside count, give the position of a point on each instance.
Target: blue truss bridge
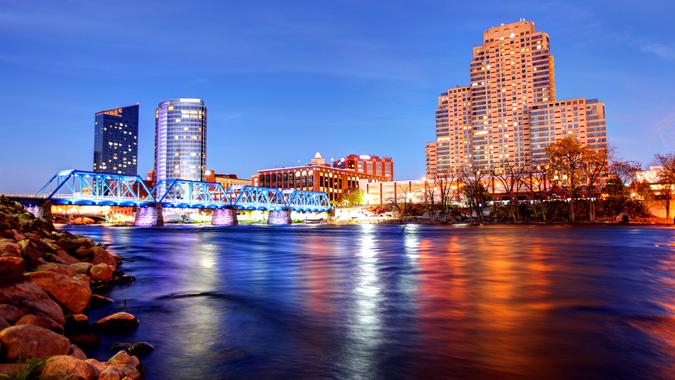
(79, 187)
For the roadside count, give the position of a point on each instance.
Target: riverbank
(49, 281)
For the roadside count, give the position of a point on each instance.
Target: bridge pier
(224, 217)
(149, 216)
(279, 217)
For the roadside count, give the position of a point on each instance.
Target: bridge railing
(190, 194)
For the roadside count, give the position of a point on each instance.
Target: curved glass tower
(180, 139)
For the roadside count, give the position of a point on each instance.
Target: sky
(285, 79)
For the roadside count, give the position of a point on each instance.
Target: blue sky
(284, 79)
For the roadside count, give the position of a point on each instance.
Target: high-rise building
(180, 139)
(368, 164)
(430, 152)
(116, 140)
(509, 111)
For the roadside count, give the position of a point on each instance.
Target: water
(398, 301)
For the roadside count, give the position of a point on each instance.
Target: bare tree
(510, 173)
(473, 189)
(666, 179)
(538, 182)
(565, 157)
(594, 167)
(444, 181)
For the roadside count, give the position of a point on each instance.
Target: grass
(30, 370)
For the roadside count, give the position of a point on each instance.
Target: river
(391, 301)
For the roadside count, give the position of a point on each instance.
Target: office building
(509, 111)
(368, 164)
(180, 139)
(315, 176)
(116, 140)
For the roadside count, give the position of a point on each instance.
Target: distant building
(315, 176)
(116, 140)
(180, 139)
(382, 167)
(509, 111)
(431, 159)
(226, 180)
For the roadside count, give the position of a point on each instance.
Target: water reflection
(400, 301)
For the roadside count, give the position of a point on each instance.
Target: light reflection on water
(399, 301)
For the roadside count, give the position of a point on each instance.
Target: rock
(85, 341)
(67, 367)
(120, 321)
(101, 272)
(83, 278)
(98, 366)
(11, 269)
(58, 268)
(10, 313)
(9, 249)
(123, 358)
(69, 292)
(76, 324)
(76, 352)
(111, 373)
(17, 236)
(26, 341)
(50, 244)
(124, 279)
(103, 256)
(38, 320)
(33, 256)
(30, 298)
(81, 267)
(9, 368)
(62, 257)
(3, 325)
(136, 349)
(99, 300)
(83, 252)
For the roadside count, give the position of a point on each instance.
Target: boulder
(10, 313)
(83, 252)
(58, 268)
(3, 325)
(30, 298)
(38, 320)
(111, 373)
(136, 349)
(50, 244)
(67, 367)
(98, 365)
(9, 248)
(120, 321)
(76, 352)
(83, 278)
(62, 257)
(123, 358)
(76, 324)
(9, 368)
(103, 256)
(101, 272)
(17, 236)
(99, 300)
(69, 292)
(81, 267)
(85, 341)
(11, 269)
(27, 341)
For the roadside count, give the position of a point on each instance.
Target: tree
(538, 181)
(444, 181)
(510, 174)
(473, 190)
(565, 157)
(622, 174)
(594, 167)
(666, 178)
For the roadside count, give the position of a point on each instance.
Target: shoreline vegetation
(49, 280)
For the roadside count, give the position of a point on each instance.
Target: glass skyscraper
(180, 139)
(116, 140)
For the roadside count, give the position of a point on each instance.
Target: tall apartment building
(368, 164)
(430, 152)
(180, 139)
(509, 111)
(116, 140)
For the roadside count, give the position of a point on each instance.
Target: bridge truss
(78, 187)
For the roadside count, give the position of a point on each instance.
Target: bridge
(78, 187)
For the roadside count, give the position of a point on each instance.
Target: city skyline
(370, 94)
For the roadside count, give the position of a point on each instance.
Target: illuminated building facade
(116, 140)
(180, 139)
(367, 164)
(315, 176)
(226, 180)
(510, 111)
(430, 150)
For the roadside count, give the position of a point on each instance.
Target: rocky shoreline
(48, 281)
